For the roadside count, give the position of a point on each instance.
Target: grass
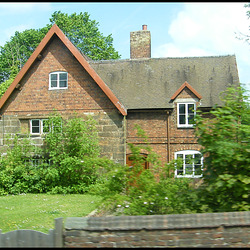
(38, 211)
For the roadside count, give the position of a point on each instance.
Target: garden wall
(178, 230)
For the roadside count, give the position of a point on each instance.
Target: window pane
(191, 119)
(63, 80)
(190, 108)
(182, 119)
(53, 84)
(63, 76)
(53, 80)
(189, 169)
(181, 108)
(179, 167)
(45, 126)
(197, 158)
(197, 169)
(53, 77)
(63, 84)
(188, 159)
(35, 126)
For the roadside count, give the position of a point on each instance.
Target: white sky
(177, 29)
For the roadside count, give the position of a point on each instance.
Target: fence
(174, 230)
(31, 238)
(230, 229)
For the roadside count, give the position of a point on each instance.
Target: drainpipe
(168, 136)
(125, 137)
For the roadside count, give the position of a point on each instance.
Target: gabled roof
(184, 85)
(56, 31)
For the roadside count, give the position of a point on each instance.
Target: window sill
(185, 126)
(188, 176)
(58, 88)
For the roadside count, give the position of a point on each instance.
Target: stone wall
(110, 131)
(178, 230)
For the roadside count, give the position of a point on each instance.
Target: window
(192, 164)
(39, 126)
(42, 126)
(58, 80)
(185, 114)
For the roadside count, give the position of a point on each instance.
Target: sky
(178, 29)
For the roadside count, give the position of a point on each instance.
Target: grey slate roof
(150, 83)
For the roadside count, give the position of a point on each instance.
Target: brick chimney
(140, 43)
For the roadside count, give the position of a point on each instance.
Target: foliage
(16, 52)
(5, 85)
(225, 141)
(240, 35)
(142, 191)
(69, 160)
(80, 29)
(84, 34)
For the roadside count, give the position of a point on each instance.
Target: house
(159, 94)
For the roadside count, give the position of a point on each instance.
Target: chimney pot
(140, 43)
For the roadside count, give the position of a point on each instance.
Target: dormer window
(185, 114)
(58, 80)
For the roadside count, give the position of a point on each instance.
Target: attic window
(185, 114)
(58, 80)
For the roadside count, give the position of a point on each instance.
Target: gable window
(58, 80)
(191, 166)
(185, 114)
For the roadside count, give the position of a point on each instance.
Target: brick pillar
(140, 43)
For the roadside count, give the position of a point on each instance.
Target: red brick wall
(82, 93)
(155, 124)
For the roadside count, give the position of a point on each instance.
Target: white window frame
(58, 81)
(40, 126)
(188, 152)
(186, 125)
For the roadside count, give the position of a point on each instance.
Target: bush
(69, 160)
(139, 191)
(225, 141)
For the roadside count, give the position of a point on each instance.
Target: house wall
(156, 126)
(33, 99)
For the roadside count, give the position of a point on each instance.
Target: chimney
(140, 43)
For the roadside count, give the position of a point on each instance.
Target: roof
(186, 85)
(81, 59)
(151, 83)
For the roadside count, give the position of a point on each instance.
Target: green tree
(225, 138)
(85, 35)
(16, 52)
(79, 28)
(241, 36)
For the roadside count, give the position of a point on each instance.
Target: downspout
(125, 137)
(168, 137)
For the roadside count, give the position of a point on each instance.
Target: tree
(79, 28)
(16, 52)
(225, 137)
(242, 36)
(84, 34)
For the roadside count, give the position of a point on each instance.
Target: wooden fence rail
(32, 238)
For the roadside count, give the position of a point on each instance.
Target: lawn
(38, 211)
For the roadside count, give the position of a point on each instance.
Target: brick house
(159, 94)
